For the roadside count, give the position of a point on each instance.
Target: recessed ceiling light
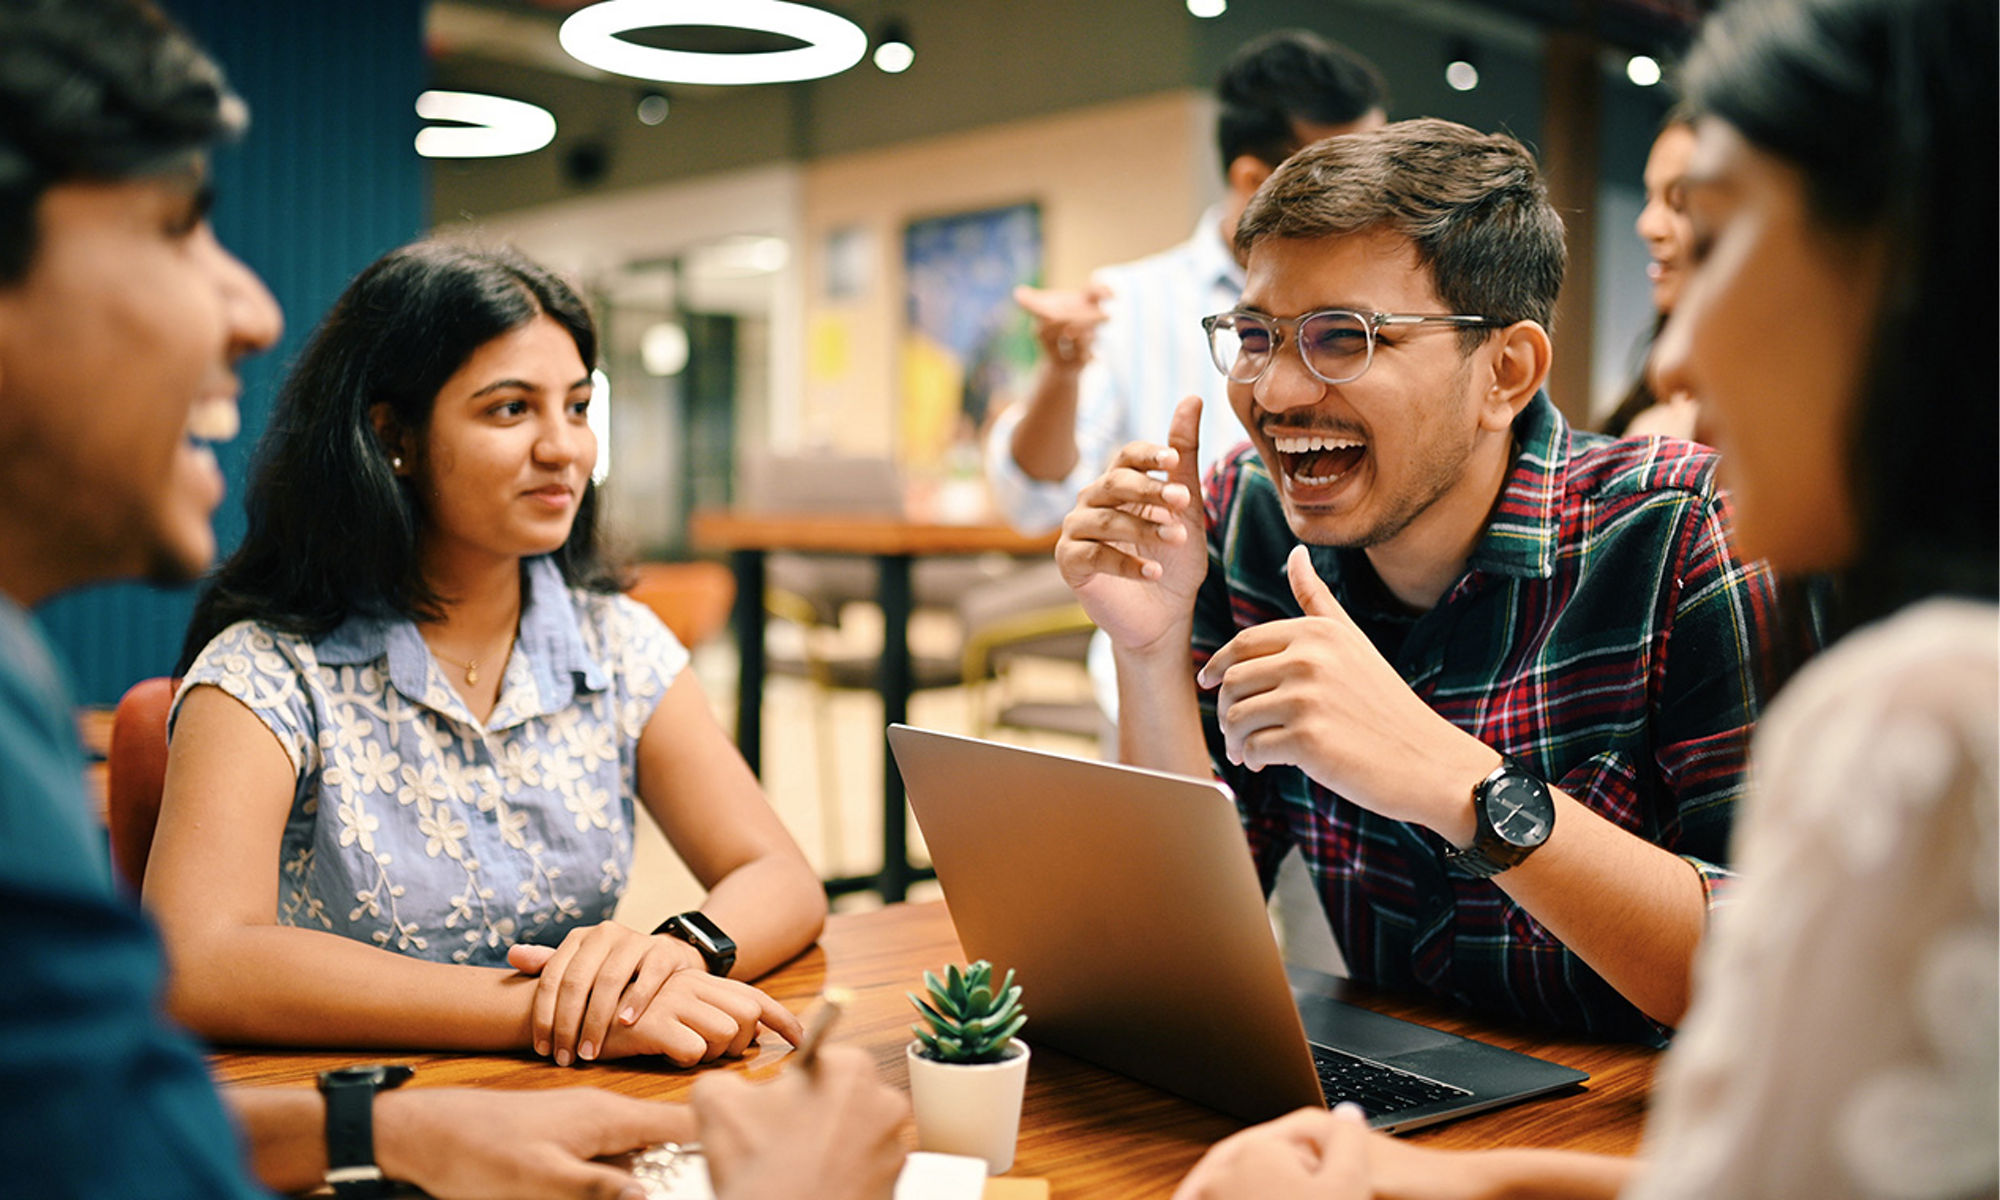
(1207, 9)
(493, 126)
(1643, 69)
(833, 43)
(893, 52)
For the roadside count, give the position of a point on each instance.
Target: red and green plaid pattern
(1604, 634)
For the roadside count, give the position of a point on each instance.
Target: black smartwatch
(350, 1127)
(718, 949)
(1515, 815)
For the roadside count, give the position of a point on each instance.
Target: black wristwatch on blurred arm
(1515, 815)
(350, 1127)
(718, 949)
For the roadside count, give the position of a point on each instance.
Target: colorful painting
(966, 345)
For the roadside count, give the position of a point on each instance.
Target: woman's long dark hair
(333, 531)
(1887, 108)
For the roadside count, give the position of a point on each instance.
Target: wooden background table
(1088, 1131)
(895, 543)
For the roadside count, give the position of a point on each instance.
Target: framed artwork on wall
(966, 346)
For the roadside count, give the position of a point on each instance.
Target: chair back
(690, 598)
(136, 773)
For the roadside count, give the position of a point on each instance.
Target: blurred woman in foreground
(1838, 331)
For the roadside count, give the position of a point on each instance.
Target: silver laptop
(1127, 901)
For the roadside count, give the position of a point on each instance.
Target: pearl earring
(397, 462)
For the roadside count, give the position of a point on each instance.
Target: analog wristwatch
(1515, 815)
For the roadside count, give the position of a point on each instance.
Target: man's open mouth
(1316, 460)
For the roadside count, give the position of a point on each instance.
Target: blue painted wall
(325, 182)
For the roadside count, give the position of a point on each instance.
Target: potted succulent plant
(967, 1069)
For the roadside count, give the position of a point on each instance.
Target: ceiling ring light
(833, 43)
(493, 126)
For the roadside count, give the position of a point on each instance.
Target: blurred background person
(1120, 354)
(1845, 1034)
(1663, 226)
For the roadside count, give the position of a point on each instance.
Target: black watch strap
(350, 1128)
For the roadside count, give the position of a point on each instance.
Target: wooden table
(1086, 1130)
(894, 543)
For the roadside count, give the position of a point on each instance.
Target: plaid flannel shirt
(1603, 633)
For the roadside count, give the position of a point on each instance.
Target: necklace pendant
(471, 673)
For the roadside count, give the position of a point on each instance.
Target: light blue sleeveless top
(416, 828)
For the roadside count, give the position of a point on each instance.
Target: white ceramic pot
(969, 1108)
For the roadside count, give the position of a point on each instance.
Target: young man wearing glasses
(1494, 677)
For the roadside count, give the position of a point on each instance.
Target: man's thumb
(1184, 435)
(1315, 600)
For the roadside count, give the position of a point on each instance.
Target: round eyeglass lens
(1241, 345)
(1336, 345)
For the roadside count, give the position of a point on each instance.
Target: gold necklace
(470, 666)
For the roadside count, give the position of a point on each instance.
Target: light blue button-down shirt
(419, 829)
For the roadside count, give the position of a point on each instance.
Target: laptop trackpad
(1343, 1026)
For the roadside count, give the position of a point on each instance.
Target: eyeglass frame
(1371, 324)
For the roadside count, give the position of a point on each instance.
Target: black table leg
(748, 619)
(895, 678)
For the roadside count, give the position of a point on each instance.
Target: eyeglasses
(1336, 344)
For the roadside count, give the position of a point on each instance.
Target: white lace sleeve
(1843, 1040)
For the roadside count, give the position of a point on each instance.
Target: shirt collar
(550, 646)
(1520, 538)
(1212, 256)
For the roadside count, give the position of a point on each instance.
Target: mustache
(1275, 426)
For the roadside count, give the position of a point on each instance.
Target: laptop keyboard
(1376, 1088)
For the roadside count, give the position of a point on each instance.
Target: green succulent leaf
(941, 996)
(937, 1019)
(967, 1019)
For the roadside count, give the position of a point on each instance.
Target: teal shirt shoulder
(100, 1095)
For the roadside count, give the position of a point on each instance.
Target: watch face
(1520, 810)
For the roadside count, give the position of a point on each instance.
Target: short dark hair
(96, 90)
(1472, 203)
(1887, 109)
(1274, 82)
(333, 531)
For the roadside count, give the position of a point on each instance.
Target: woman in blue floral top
(416, 712)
